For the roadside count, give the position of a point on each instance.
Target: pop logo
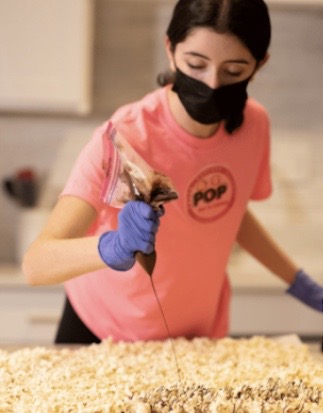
(211, 194)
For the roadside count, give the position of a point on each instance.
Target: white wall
(124, 69)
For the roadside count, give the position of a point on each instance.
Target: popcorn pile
(256, 375)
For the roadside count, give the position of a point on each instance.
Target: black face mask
(207, 105)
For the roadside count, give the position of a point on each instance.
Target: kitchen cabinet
(269, 311)
(46, 56)
(28, 315)
(259, 303)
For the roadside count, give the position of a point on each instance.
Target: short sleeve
(87, 175)
(263, 184)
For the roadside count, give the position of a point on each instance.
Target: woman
(203, 132)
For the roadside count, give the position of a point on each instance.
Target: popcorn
(256, 375)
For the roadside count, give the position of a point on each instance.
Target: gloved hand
(307, 290)
(137, 227)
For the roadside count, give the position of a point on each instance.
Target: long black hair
(246, 19)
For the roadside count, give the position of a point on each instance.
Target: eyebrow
(242, 61)
(198, 55)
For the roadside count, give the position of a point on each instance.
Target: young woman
(202, 131)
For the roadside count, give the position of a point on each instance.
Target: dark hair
(247, 19)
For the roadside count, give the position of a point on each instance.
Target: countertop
(11, 276)
(245, 276)
(314, 348)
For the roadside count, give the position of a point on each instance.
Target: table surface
(315, 348)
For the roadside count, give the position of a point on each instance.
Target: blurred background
(66, 66)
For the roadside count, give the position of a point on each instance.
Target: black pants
(71, 329)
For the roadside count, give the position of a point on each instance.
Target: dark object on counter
(22, 187)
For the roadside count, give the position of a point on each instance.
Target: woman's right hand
(137, 227)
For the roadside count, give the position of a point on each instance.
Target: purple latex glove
(137, 227)
(307, 290)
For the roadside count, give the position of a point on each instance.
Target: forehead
(215, 46)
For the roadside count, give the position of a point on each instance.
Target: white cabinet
(269, 312)
(46, 55)
(28, 315)
(259, 303)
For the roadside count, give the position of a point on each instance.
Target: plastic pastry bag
(129, 177)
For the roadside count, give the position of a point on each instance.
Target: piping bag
(128, 177)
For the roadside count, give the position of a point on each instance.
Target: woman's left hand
(305, 289)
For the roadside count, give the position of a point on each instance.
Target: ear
(260, 64)
(170, 54)
(263, 61)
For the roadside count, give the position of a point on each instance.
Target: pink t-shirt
(215, 179)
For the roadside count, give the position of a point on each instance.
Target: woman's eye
(195, 67)
(234, 74)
